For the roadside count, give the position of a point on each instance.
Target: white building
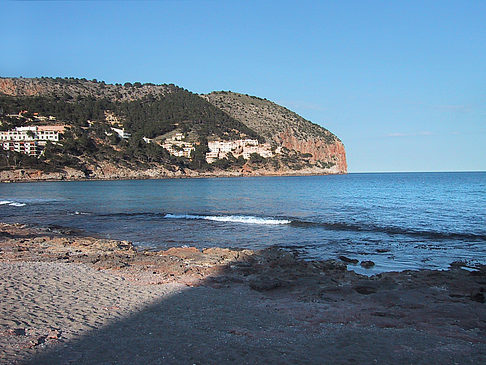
(223, 146)
(240, 147)
(178, 147)
(40, 133)
(28, 139)
(121, 133)
(28, 147)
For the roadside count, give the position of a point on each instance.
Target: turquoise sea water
(399, 220)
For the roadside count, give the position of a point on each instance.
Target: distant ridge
(75, 88)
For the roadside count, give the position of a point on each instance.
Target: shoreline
(181, 176)
(254, 299)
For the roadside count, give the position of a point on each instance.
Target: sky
(401, 83)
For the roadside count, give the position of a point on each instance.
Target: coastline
(226, 174)
(79, 294)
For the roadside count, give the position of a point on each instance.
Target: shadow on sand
(260, 310)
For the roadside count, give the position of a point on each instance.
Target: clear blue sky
(402, 83)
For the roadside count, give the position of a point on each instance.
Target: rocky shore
(109, 172)
(69, 298)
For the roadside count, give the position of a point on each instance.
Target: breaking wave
(12, 203)
(304, 224)
(230, 218)
(78, 213)
(15, 204)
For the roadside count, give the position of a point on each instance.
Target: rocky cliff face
(319, 149)
(283, 127)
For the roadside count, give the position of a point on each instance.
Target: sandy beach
(67, 298)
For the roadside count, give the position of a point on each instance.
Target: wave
(22, 202)
(341, 226)
(16, 204)
(230, 218)
(333, 226)
(78, 213)
(247, 219)
(12, 203)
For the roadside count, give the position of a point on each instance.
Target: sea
(399, 221)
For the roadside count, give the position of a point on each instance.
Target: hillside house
(177, 146)
(121, 133)
(27, 147)
(30, 140)
(240, 147)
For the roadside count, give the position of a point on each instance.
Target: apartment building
(29, 140)
(240, 147)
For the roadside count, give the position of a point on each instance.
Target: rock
(478, 295)
(37, 341)
(319, 149)
(54, 334)
(348, 260)
(16, 331)
(182, 252)
(274, 257)
(222, 253)
(367, 264)
(364, 289)
(458, 264)
(125, 245)
(333, 265)
(382, 250)
(244, 268)
(264, 283)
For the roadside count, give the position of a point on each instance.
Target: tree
(222, 163)
(199, 157)
(31, 134)
(256, 158)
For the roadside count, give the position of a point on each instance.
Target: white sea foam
(230, 218)
(16, 204)
(4, 202)
(77, 213)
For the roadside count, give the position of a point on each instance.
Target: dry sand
(65, 298)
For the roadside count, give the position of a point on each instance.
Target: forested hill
(149, 109)
(151, 114)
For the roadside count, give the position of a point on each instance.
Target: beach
(70, 298)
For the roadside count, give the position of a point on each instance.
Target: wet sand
(67, 298)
